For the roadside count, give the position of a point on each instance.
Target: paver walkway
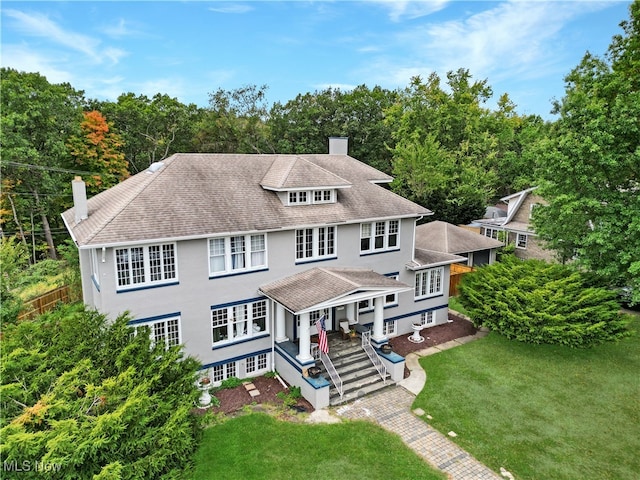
(391, 408)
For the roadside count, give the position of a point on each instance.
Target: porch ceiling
(327, 287)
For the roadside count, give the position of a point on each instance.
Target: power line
(53, 169)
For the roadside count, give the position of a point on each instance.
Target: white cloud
(39, 25)
(411, 9)
(21, 58)
(231, 8)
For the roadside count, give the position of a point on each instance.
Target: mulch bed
(234, 399)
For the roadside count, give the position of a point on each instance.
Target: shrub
(537, 302)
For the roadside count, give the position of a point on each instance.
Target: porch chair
(344, 329)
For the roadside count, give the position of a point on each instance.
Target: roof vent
(155, 166)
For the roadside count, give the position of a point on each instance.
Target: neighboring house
(447, 238)
(516, 225)
(236, 257)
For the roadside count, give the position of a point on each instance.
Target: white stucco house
(236, 256)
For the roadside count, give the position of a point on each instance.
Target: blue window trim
(238, 342)
(379, 252)
(316, 260)
(147, 287)
(235, 274)
(417, 312)
(422, 299)
(155, 318)
(237, 302)
(235, 359)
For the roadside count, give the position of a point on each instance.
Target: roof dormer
(301, 182)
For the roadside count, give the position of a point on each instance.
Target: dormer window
(298, 198)
(311, 197)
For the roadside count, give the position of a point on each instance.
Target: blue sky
(192, 48)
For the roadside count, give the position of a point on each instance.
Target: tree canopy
(590, 164)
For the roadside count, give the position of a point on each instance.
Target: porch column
(378, 319)
(280, 324)
(351, 313)
(304, 340)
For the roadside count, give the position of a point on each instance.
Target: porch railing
(333, 373)
(373, 356)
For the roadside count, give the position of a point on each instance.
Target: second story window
(236, 254)
(145, 266)
(379, 236)
(315, 243)
(429, 283)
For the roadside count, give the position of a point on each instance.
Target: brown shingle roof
(293, 292)
(197, 195)
(448, 238)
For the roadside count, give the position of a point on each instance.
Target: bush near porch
(540, 411)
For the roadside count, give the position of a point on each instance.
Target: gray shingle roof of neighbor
(293, 292)
(199, 195)
(448, 238)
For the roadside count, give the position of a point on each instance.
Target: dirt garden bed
(234, 399)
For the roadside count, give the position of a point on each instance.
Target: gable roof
(513, 202)
(200, 195)
(445, 237)
(331, 286)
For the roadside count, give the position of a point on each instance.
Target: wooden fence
(45, 302)
(458, 271)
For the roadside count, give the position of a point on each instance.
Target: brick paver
(391, 408)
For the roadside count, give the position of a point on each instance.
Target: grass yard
(542, 412)
(258, 446)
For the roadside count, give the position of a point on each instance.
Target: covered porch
(300, 300)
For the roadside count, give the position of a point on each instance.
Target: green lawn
(542, 412)
(258, 446)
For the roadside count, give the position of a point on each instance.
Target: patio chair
(344, 329)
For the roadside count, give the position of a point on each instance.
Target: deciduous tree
(590, 171)
(98, 150)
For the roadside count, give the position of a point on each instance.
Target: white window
(323, 196)
(379, 236)
(146, 265)
(365, 305)
(392, 298)
(164, 331)
(314, 316)
(427, 318)
(389, 329)
(257, 363)
(521, 241)
(491, 233)
(298, 198)
(219, 373)
(429, 283)
(237, 254)
(244, 320)
(315, 243)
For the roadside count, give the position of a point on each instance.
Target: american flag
(323, 344)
